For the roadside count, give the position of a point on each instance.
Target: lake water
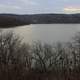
(48, 33)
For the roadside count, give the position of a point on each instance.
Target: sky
(39, 6)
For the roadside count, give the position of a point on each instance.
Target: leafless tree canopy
(21, 61)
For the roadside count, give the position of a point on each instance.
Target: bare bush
(21, 61)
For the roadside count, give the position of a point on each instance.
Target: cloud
(35, 6)
(29, 2)
(29, 6)
(9, 8)
(71, 10)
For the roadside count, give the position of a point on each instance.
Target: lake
(49, 33)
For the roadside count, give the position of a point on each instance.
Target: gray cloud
(36, 6)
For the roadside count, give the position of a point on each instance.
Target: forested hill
(55, 18)
(8, 20)
(12, 20)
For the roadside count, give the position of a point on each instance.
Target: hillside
(55, 18)
(12, 20)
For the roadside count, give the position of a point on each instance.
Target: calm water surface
(47, 32)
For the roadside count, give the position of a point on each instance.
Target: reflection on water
(47, 32)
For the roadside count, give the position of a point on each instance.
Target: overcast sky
(37, 6)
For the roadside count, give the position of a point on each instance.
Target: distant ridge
(13, 20)
(55, 18)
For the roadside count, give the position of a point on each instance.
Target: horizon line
(37, 13)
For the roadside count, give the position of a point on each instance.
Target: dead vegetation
(21, 61)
